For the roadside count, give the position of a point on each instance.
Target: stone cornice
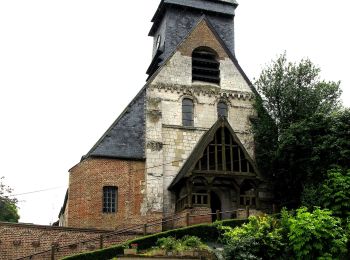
(205, 90)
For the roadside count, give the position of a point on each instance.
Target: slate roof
(126, 136)
(202, 145)
(223, 7)
(63, 208)
(125, 139)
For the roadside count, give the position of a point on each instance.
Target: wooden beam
(208, 158)
(216, 153)
(223, 148)
(231, 153)
(239, 160)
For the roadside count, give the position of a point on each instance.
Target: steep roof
(202, 145)
(162, 62)
(223, 7)
(125, 138)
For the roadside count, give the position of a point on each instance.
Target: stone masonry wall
(168, 143)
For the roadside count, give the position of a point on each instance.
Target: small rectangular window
(110, 194)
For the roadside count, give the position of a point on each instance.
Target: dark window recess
(222, 109)
(187, 112)
(248, 194)
(205, 67)
(110, 199)
(224, 154)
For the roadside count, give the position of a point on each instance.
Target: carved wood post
(218, 214)
(247, 211)
(101, 241)
(145, 229)
(53, 249)
(187, 219)
(189, 193)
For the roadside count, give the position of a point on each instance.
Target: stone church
(184, 143)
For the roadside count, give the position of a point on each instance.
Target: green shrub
(103, 254)
(335, 192)
(167, 243)
(264, 231)
(231, 222)
(206, 232)
(178, 245)
(191, 242)
(310, 197)
(316, 234)
(247, 248)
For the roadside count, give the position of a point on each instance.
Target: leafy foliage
(192, 242)
(178, 245)
(167, 243)
(8, 208)
(264, 232)
(302, 235)
(206, 232)
(335, 192)
(316, 234)
(292, 92)
(301, 129)
(245, 248)
(310, 196)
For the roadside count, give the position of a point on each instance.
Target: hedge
(207, 232)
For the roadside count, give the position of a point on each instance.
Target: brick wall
(35, 242)
(85, 194)
(196, 215)
(20, 240)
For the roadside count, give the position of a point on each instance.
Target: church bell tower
(174, 19)
(184, 144)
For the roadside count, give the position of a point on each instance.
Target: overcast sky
(69, 67)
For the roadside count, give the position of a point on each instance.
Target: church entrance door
(215, 204)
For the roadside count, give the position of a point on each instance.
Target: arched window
(187, 112)
(224, 154)
(205, 66)
(222, 109)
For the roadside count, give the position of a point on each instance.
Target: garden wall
(20, 240)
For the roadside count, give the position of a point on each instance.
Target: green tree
(8, 208)
(316, 235)
(335, 192)
(261, 238)
(292, 92)
(301, 129)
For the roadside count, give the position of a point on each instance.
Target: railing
(197, 199)
(80, 246)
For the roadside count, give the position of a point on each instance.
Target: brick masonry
(85, 194)
(20, 240)
(25, 241)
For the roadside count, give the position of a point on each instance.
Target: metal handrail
(126, 230)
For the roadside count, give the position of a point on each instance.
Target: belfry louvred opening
(205, 66)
